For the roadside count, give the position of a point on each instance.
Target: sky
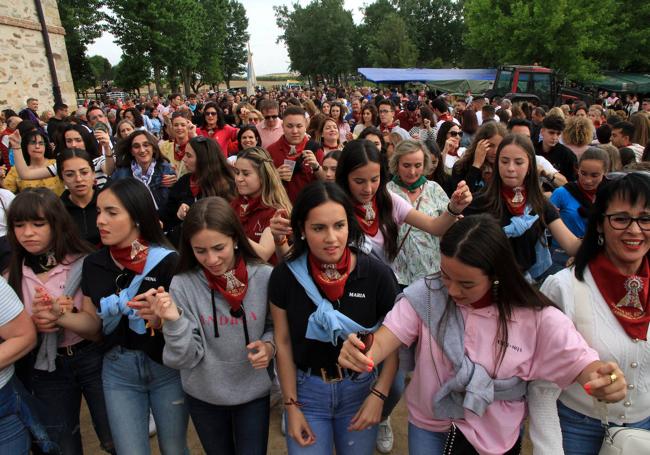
(268, 56)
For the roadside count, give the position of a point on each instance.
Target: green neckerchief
(413, 186)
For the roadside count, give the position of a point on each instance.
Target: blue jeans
(231, 430)
(133, 384)
(18, 419)
(425, 442)
(60, 391)
(583, 435)
(328, 409)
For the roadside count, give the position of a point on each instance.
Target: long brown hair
(212, 171)
(486, 131)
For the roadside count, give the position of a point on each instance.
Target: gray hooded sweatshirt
(216, 369)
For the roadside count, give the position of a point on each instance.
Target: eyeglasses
(456, 133)
(253, 119)
(210, 113)
(270, 117)
(35, 142)
(622, 221)
(140, 145)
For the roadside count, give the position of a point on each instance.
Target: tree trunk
(187, 81)
(157, 79)
(227, 81)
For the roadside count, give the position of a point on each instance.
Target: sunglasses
(270, 117)
(210, 114)
(456, 133)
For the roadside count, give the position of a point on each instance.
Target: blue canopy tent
(446, 80)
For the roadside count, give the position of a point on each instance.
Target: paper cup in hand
(292, 166)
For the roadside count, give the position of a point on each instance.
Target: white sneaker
(385, 436)
(152, 425)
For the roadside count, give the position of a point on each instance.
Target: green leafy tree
(631, 38)
(319, 38)
(101, 69)
(567, 35)
(131, 74)
(83, 23)
(373, 16)
(386, 51)
(234, 56)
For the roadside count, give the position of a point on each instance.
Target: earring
(302, 237)
(137, 225)
(495, 290)
(601, 240)
(236, 246)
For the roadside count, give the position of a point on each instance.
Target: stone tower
(24, 69)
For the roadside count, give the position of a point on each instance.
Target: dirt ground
(277, 445)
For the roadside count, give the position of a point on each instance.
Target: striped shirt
(10, 308)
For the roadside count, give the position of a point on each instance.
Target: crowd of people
(201, 257)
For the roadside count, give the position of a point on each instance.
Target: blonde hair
(578, 131)
(556, 111)
(273, 192)
(407, 147)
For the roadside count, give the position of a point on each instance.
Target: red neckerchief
(385, 129)
(232, 285)
(195, 188)
(445, 117)
(331, 278)
(179, 150)
(245, 207)
(591, 194)
(484, 301)
(368, 219)
(508, 195)
(285, 147)
(132, 257)
(626, 296)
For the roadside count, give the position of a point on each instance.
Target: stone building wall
(24, 71)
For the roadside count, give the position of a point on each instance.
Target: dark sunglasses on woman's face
(456, 133)
(210, 113)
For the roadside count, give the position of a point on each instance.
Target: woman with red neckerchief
(260, 195)
(215, 127)
(607, 296)
(208, 174)
(120, 280)
(326, 290)
(174, 150)
(515, 199)
(218, 332)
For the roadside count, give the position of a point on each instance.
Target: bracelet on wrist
(275, 350)
(284, 241)
(293, 402)
(378, 394)
(451, 212)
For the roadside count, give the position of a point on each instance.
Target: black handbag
(457, 444)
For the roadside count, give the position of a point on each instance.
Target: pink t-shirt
(401, 209)
(54, 287)
(541, 345)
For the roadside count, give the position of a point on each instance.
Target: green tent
(622, 82)
(460, 86)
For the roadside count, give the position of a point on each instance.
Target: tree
(131, 73)
(567, 35)
(319, 38)
(386, 51)
(436, 28)
(83, 23)
(101, 69)
(233, 58)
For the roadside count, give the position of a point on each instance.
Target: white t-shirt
(6, 197)
(9, 310)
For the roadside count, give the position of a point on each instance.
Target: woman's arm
(567, 240)
(19, 337)
(437, 226)
(266, 246)
(384, 343)
(85, 323)
(297, 426)
(24, 172)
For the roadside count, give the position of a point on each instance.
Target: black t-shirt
(523, 247)
(370, 293)
(562, 159)
(101, 277)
